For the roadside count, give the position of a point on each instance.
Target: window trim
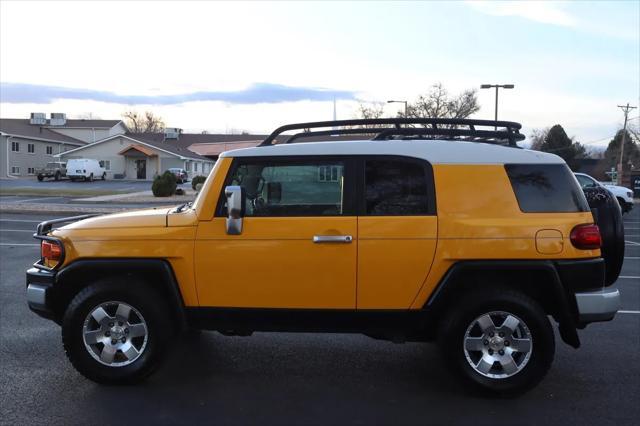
(361, 184)
(17, 145)
(349, 189)
(29, 145)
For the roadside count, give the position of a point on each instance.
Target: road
(290, 378)
(117, 185)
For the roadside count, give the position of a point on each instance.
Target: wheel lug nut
(120, 323)
(501, 334)
(490, 351)
(126, 330)
(124, 339)
(501, 352)
(491, 334)
(486, 342)
(506, 343)
(114, 341)
(107, 333)
(110, 324)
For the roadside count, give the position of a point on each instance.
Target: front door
(298, 244)
(141, 169)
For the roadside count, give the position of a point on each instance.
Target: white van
(85, 169)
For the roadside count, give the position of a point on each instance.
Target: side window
(275, 189)
(395, 188)
(585, 182)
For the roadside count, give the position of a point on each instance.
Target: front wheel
(115, 332)
(499, 341)
(57, 176)
(40, 178)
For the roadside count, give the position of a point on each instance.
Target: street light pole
(497, 86)
(405, 106)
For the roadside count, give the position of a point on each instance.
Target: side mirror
(235, 209)
(274, 192)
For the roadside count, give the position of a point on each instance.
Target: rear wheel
(115, 332)
(40, 178)
(500, 341)
(104, 176)
(91, 177)
(57, 176)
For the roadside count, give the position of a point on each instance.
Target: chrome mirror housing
(235, 209)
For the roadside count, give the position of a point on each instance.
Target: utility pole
(626, 108)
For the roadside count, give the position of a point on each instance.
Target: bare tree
(437, 103)
(146, 122)
(373, 110)
(537, 138)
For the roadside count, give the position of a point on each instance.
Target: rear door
(397, 230)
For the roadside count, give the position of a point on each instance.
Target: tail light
(51, 253)
(586, 237)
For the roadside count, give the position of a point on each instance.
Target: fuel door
(549, 241)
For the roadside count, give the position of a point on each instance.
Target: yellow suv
(431, 230)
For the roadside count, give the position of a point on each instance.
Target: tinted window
(542, 188)
(299, 189)
(395, 188)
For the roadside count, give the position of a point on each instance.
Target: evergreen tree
(557, 142)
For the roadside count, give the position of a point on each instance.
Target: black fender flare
(158, 272)
(565, 307)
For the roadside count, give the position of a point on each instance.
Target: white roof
(434, 151)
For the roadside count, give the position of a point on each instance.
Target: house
(30, 143)
(143, 155)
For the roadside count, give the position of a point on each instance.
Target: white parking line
(631, 243)
(628, 277)
(21, 220)
(31, 231)
(631, 257)
(629, 312)
(18, 244)
(36, 199)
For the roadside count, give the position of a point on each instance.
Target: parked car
(86, 169)
(381, 237)
(622, 194)
(181, 174)
(53, 169)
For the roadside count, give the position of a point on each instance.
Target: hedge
(196, 180)
(164, 185)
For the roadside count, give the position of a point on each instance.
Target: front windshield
(52, 165)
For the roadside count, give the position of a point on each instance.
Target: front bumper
(601, 305)
(39, 292)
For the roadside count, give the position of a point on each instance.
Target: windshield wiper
(184, 206)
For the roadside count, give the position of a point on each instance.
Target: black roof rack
(497, 132)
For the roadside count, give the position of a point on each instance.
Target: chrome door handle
(332, 239)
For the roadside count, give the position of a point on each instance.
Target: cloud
(539, 11)
(254, 94)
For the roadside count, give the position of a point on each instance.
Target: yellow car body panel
(391, 263)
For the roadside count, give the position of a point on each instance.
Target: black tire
(608, 217)
(40, 178)
(57, 176)
(104, 176)
(141, 297)
(452, 331)
(91, 177)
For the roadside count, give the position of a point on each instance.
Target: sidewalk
(138, 197)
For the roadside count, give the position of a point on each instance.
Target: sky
(244, 66)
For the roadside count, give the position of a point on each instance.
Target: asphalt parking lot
(302, 378)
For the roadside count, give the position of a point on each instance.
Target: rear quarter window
(546, 188)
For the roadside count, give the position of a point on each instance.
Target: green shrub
(164, 185)
(196, 180)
